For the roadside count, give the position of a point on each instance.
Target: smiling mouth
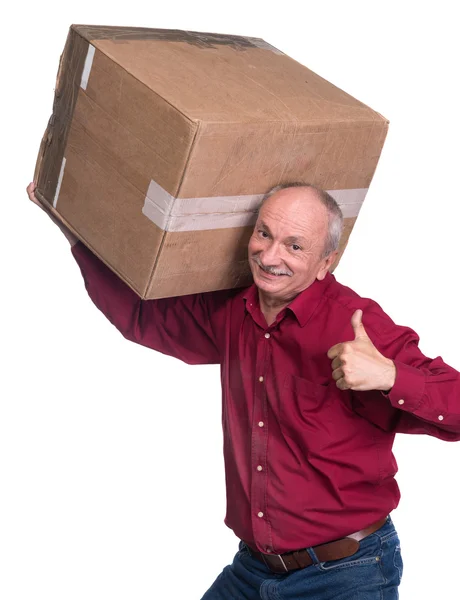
(269, 274)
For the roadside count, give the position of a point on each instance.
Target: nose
(270, 256)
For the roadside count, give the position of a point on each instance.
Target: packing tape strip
(87, 66)
(221, 212)
(215, 212)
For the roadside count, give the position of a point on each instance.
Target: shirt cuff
(409, 387)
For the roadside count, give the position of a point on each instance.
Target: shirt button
(267, 335)
(260, 514)
(401, 401)
(268, 550)
(261, 379)
(259, 468)
(440, 418)
(261, 423)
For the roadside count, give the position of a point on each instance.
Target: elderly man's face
(287, 243)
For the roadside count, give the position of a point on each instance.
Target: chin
(274, 286)
(265, 286)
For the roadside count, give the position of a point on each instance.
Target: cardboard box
(162, 143)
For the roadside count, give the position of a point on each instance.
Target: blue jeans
(373, 573)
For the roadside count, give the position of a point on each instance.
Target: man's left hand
(358, 365)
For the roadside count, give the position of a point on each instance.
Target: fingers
(342, 380)
(342, 384)
(338, 374)
(334, 351)
(336, 363)
(32, 197)
(31, 190)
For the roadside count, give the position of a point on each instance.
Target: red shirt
(305, 462)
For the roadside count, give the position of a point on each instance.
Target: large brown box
(162, 143)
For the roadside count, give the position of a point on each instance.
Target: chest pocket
(305, 409)
(305, 387)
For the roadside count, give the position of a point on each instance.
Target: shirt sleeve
(185, 327)
(425, 398)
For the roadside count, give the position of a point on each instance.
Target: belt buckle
(278, 556)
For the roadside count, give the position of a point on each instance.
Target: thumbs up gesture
(358, 365)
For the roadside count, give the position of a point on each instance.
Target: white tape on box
(221, 212)
(87, 67)
(350, 201)
(197, 214)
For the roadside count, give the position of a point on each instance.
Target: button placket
(260, 523)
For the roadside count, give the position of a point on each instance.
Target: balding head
(294, 241)
(335, 216)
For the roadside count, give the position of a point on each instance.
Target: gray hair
(335, 215)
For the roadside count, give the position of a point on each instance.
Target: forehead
(294, 212)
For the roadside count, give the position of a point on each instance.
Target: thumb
(357, 324)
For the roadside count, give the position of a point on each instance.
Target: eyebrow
(292, 239)
(264, 225)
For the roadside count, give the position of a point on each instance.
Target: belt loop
(313, 556)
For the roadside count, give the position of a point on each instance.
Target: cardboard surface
(143, 117)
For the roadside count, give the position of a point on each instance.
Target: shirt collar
(302, 306)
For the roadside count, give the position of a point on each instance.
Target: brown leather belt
(290, 561)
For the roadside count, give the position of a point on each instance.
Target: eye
(263, 233)
(296, 247)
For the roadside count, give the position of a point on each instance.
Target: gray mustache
(271, 270)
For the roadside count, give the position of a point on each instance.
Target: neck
(268, 302)
(271, 306)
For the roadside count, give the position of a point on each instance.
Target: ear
(326, 264)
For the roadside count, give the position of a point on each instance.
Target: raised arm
(425, 396)
(186, 327)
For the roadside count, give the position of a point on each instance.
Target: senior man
(316, 382)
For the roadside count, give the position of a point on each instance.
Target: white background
(110, 454)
